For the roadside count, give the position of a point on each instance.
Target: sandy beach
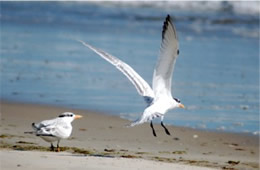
(101, 141)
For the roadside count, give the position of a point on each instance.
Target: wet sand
(101, 141)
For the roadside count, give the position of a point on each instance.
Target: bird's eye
(177, 100)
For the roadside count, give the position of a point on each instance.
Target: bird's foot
(154, 134)
(151, 124)
(167, 132)
(52, 148)
(58, 149)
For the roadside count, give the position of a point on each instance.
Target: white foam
(246, 7)
(222, 128)
(254, 33)
(239, 7)
(256, 133)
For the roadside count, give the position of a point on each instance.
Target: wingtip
(166, 24)
(168, 21)
(80, 41)
(168, 17)
(84, 43)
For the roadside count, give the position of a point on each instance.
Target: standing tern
(55, 129)
(159, 98)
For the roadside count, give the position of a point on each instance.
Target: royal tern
(55, 129)
(159, 98)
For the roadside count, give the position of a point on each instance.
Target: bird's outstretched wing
(169, 51)
(140, 84)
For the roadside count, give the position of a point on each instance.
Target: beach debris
(28, 148)
(109, 150)
(232, 144)
(82, 129)
(235, 146)
(239, 149)
(123, 150)
(207, 153)
(78, 150)
(179, 152)
(130, 156)
(228, 168)
(164, 152)
(176, 138)
(24, 142)
(233, 162)
(195, 136)
(141, 153)
(9, 136)
(163, 159)
(5, 136)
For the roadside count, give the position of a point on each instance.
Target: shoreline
(104, 136)
(114, 115)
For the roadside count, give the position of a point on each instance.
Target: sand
(100, 141)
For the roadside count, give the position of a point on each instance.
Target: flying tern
(158, 98)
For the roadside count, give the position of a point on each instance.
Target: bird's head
(179, 104)
(69, 116)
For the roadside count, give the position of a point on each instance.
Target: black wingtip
(165, 25)
(45, 135)
(168, 17)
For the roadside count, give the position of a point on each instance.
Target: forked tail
(137, 122)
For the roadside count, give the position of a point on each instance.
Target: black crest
(66, 115)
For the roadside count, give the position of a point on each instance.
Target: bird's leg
(166, 130)
(58, 147)
(151, 124)
(52, 147)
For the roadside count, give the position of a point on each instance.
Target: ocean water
(216, 75)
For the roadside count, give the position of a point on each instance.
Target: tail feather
(137, 122)
(145, 118)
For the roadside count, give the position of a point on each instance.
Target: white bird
(55, 129)
(158, 98)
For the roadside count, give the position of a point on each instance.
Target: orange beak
(78, 116)
(181, 106)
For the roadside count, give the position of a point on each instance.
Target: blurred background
(216, 75)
